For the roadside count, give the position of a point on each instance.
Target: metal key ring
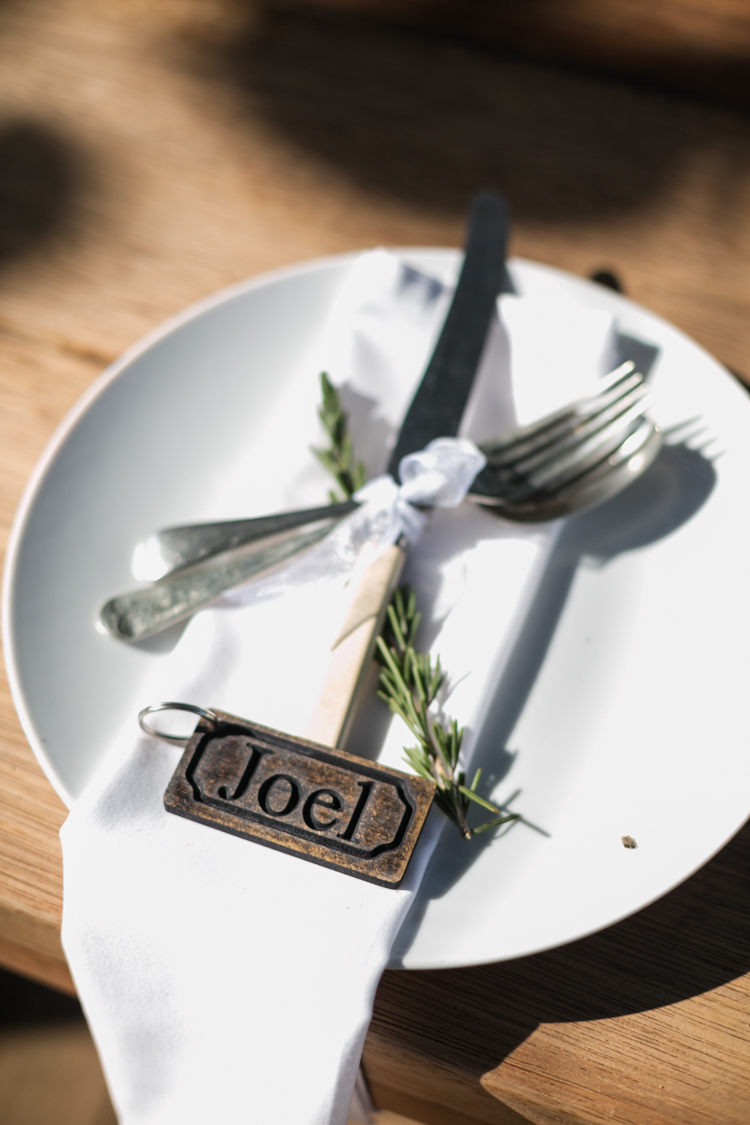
(200, 711)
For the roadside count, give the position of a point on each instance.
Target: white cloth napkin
(224, 981)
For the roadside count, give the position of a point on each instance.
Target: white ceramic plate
(623, 712)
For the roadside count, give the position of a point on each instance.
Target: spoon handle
(143, 612)
(175, 548)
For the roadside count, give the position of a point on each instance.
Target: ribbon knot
(439, 476)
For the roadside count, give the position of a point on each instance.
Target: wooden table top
(148, 157)
(698, 46)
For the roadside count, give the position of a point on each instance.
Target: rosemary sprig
(338, 459)
(409, 680)
(409, 683)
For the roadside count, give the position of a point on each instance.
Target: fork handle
(353, 649)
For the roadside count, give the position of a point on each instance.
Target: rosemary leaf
(409, 683)
(475, 797)
(338, 459)
(495, 823)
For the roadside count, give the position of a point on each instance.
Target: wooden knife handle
(353, 649)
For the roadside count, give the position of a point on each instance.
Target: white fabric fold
(224, 981)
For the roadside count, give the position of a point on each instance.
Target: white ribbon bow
(439, 476)
(436, 477)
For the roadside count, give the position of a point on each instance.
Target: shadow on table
(40, 177)
(691, 941)
(23, 1003)
(49, 1070)
(427, 120)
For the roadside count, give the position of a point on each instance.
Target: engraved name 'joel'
(304, 794)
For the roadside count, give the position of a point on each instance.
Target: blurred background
(151, 153)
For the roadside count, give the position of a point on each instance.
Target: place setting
(409, 580)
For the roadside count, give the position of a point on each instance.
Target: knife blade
(435, 411)
(440, 400)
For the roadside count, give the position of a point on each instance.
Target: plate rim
(173, 323)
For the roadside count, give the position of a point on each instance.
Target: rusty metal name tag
(322, 805)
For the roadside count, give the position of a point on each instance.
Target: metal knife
(435, 411)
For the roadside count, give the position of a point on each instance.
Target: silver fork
(569, 460)
(574, 458)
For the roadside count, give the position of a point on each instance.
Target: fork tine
(620, 469)
(603, 386)
(600, 483)
(587, 436)
(588, 429)
(519, 443)
(573, 462)
(563, 467)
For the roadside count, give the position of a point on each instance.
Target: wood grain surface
(693, 45)
(150, 154)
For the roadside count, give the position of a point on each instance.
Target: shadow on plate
(653, 507)
(166, 641)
